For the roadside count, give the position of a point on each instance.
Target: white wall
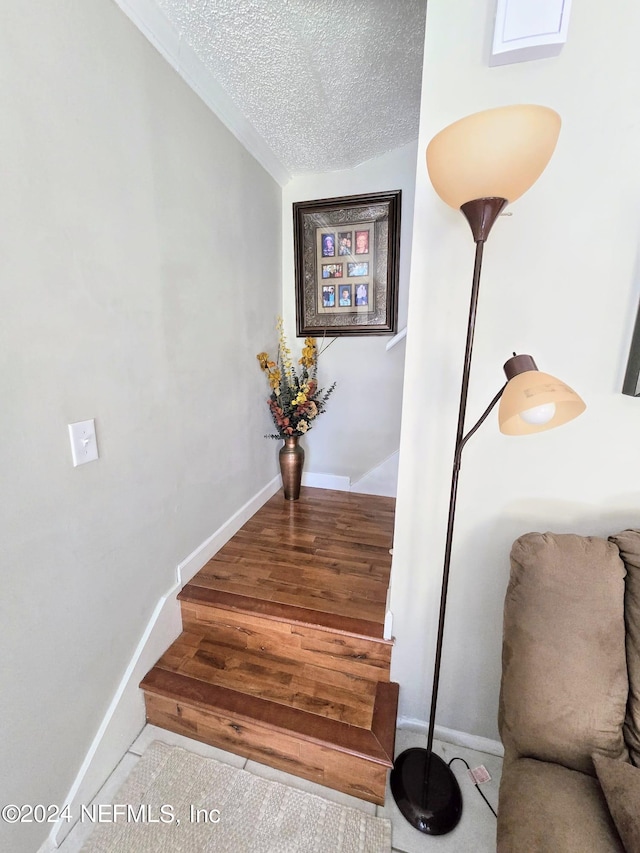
(128, 295)
(361, 427)
(561, 282)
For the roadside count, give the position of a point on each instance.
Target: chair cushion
(629, 544)
(564, 675)
(620, 783)
(546, 808)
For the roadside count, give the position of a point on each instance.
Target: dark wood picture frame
(374, 306)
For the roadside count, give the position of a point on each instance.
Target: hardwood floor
(282, 657)
(327, 552)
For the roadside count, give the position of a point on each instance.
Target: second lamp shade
(533, 390)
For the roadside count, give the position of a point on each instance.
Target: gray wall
(140, 269)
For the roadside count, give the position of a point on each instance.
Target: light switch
(84, 447)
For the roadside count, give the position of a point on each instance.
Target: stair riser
(335, 769)
(335, 651)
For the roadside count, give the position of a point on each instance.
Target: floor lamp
(479, 164)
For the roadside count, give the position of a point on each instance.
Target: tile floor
(475, 832)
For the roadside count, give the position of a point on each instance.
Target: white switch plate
(84, 447)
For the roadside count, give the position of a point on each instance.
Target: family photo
(346, 264)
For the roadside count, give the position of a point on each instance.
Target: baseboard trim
(327, 481)
(380, 480)
(125, 715)
(481, 744)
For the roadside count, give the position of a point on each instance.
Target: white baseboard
(327, 481)
(125, 715)
(381, 480)
(480, 744)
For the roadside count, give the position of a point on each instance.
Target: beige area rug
(176, 802)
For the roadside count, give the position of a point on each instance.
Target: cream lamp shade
(497, 153)
(533, 401)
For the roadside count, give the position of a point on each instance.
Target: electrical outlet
(84, 447)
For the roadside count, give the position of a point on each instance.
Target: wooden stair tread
(290, 583)
(332, 601)
(270, 567)
(327, 552)
(374, 744)
(343, 624)
(222, 657)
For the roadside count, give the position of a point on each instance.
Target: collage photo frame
(346, 260)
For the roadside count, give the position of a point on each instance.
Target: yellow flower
(308, 353)
(285, 355)
(274, 378)
(301, 397)
(295, 400)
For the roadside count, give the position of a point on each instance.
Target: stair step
(352, 646)
(335, 753)
(282, 657)
(260, 672)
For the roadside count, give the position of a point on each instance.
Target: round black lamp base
(443, 808)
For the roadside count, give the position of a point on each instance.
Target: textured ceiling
(327, 84)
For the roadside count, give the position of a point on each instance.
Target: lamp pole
(481, 215)
(423, 786)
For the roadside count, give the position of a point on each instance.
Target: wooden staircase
(282, 657)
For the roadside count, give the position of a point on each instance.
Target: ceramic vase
(291, 462)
